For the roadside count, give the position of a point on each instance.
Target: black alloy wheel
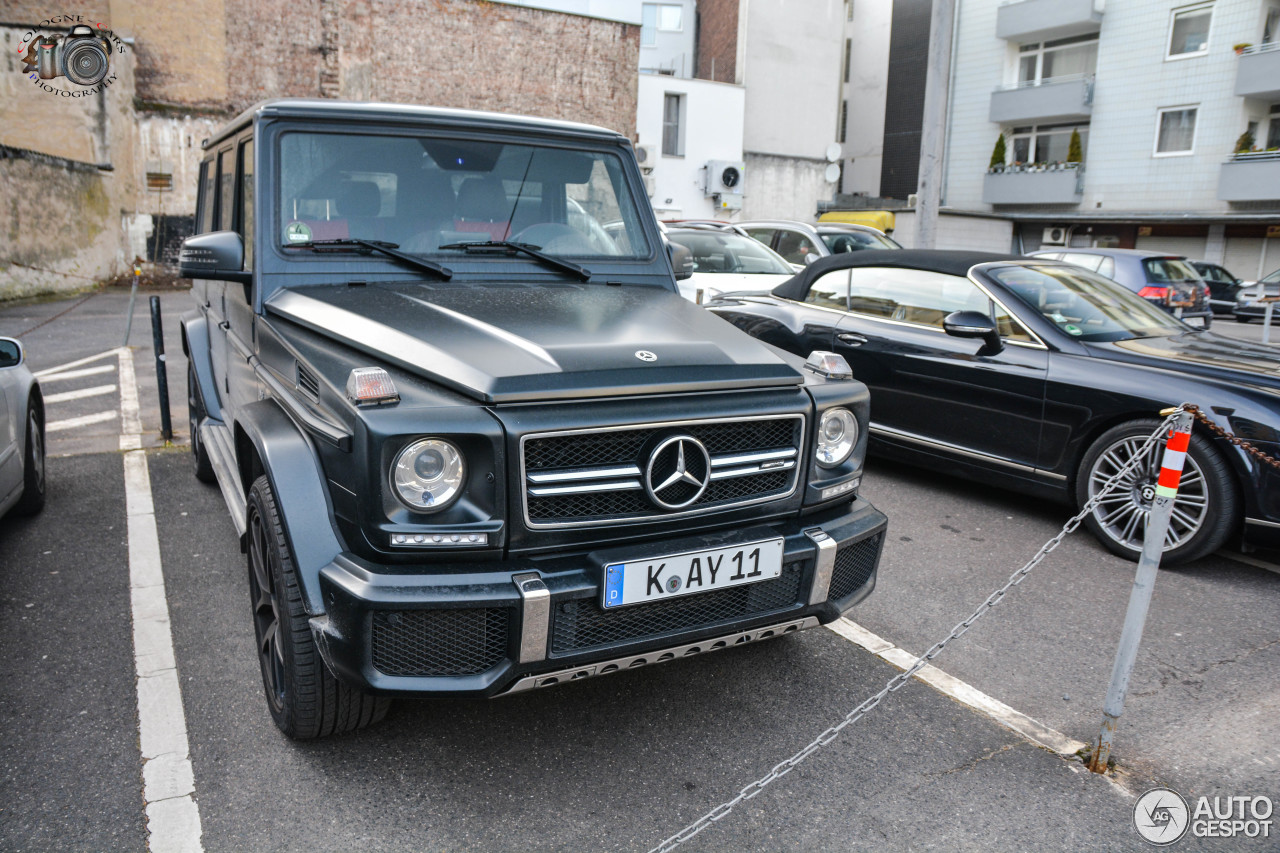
(1204, 511)
(305, 699)
(33, 471)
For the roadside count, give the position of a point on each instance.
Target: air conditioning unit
(724, 177)
(1056, 236)
(647, 157)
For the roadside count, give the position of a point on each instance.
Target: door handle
(851, 339)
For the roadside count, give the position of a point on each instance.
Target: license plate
(1194, 321)
(656, 578)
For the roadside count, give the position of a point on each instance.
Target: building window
(1273, 128)
(673, 125)
(1046, 143)
(1175, 131)
(844, 122)
(1189, 31)
(648, 25)
(1060, 59)
(848, 57)
(1271, 29)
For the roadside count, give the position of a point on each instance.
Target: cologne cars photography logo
(71, 48)
(1161, 816)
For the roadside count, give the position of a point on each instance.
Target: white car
(22, 484)
(725, 262)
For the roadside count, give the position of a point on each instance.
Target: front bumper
(537, 621)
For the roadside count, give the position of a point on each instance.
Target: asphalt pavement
(617, 763)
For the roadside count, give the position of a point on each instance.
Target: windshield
(1085, 305)
(719, 251)
(852, 241)
(426, 193)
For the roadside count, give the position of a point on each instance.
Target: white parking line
(1033, 730)
(48, 371)
(62, 375)
(95, 391)
(168, 780)
(83, 420)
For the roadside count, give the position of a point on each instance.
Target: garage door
(1190, 247)
(1243, 254)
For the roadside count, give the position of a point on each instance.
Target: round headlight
(837, 434)
(428, 474)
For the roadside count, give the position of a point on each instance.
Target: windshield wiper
(388, 249)
(530, 250)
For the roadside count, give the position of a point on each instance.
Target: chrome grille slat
(584, 477)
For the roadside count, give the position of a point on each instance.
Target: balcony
(1258, 73)
(1034, 186)
(1029, 21)
(1250, 177)
(1056, 99)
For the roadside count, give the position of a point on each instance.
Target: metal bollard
(133, 295)
(162, 374)
(1135, 617)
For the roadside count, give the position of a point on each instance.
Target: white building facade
(1141, 123)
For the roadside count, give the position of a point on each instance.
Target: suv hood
(517, 343)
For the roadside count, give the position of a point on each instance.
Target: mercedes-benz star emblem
(645, 355)
(678, 472)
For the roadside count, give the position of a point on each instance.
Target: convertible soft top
(937, 260)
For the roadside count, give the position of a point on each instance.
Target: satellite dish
(833, 152)
(832, 174)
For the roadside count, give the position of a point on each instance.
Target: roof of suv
(363, 110)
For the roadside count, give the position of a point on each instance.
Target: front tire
(305, 700)
(1205, 510)
(33, 473)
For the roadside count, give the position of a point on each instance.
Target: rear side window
(246, 201)
(208, 201)
(1164, 270)
(226, 190)
(1080, 259)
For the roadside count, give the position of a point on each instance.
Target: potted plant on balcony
(997, 156)
(1241, 47)
(1075, 151)
(1245, 143)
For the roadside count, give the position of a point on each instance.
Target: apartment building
(1138, 123)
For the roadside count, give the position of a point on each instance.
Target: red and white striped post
(1175, 456)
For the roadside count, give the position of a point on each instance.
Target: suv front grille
(596, 477)
(854, 566)
(582, 623)
(439, 642)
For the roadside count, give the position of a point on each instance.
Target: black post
(162, 375)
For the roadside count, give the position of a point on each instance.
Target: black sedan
(1039, 376)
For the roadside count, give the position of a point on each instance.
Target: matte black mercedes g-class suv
(474, 440)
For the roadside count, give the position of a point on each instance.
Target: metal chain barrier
(1228, 437)
(899, 681)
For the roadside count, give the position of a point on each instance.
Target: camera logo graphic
(1161, 816)
(81, 56)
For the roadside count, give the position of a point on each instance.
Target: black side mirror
(217, 255)
(681, 260)
(10, 353)
(974, 324)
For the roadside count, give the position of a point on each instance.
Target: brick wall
(718, 40)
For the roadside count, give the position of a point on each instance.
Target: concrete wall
(978, 233)
(713, 131)
(866, 93)
(783, 187)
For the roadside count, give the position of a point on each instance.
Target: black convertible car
(1039, 376)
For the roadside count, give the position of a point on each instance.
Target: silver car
(22, 483)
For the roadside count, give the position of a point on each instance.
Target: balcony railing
(1250, 176)
(1258, 72)
(1035, 183)
(1068, 98)
(1028, 21)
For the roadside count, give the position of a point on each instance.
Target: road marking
(1250, 561)
(1033, 730)
(61, 375)
(48, 371)
(84, 420)
(168, 780)
(95, 391)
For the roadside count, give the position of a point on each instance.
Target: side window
(226, 190)
(208, 201)
(246, 201)
(919, 297)
(762, 235)
(830, 291)
(794, 246)
(1107, 268)
(1080, 259)
(1009, 328)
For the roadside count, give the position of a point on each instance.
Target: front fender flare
(292, 466)
(195, 345)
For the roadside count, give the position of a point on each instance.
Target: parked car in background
(22, 485)
(725, 262)
(1168, 281)
(1250, 304)
(1037, 375)
(801, 243)
(1224, 287)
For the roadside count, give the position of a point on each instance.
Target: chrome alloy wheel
(266, 610)
(1122, 515)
